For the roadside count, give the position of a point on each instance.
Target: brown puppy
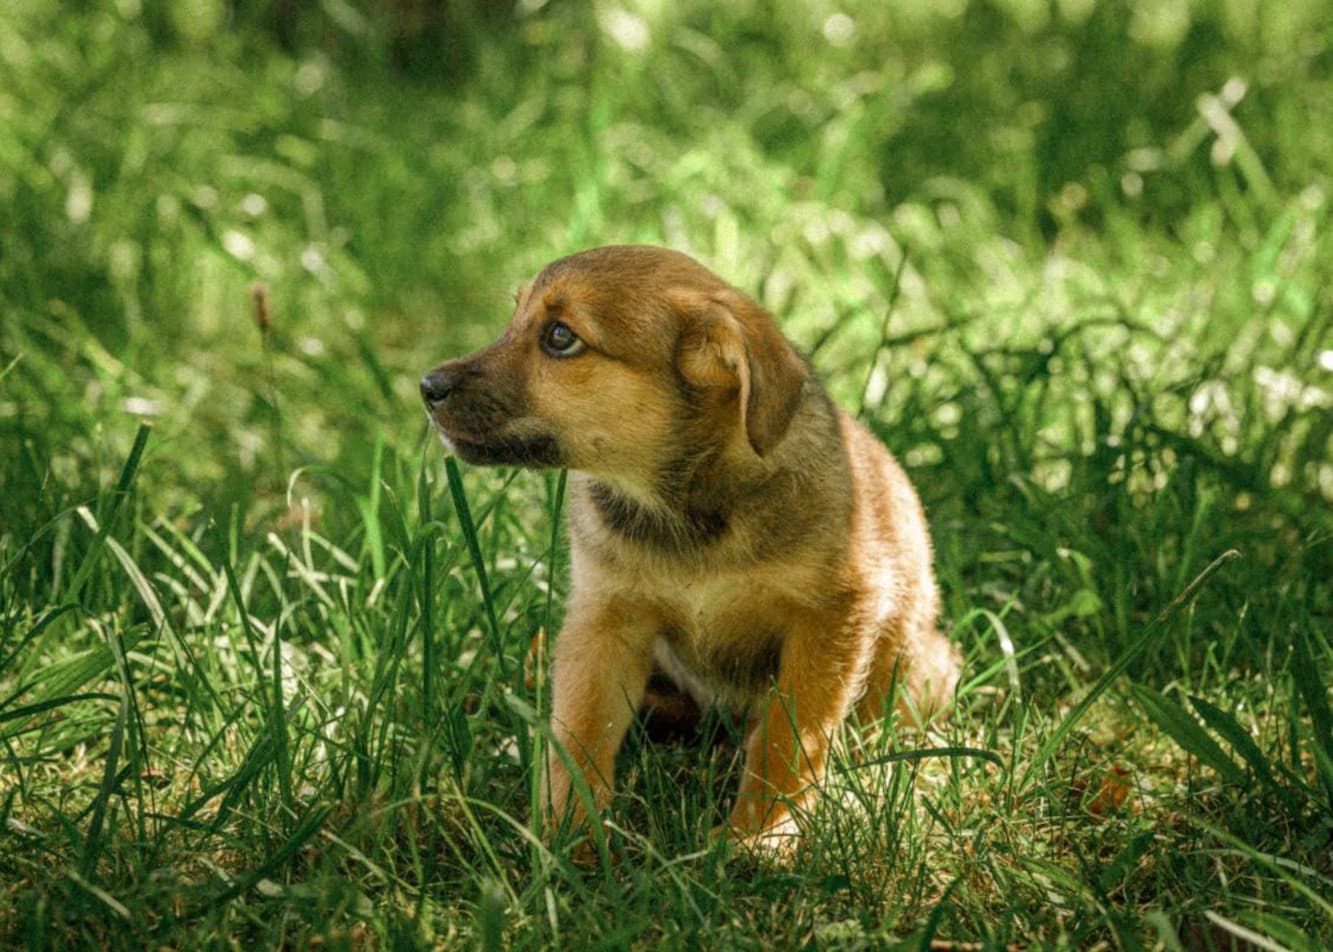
(730, 526)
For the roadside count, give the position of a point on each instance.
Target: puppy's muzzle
(480, 412)
(459, 403)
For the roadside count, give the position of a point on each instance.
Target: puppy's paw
(777, 840)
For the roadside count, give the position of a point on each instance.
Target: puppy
(731, 528)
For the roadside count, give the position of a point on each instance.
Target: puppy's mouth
(481, 416)
(535, 450)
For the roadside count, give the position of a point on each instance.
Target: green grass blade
(1314, 694)
(1239, 738)
(369, 506)
(111, 765)
(927, 753)
(66, 676)
(108, 514)
(1150, 635)
(307, 828)
(31, 710)
(48, 616)
(469, 530)
(553, 548)
(894, 291)
(1185, 730)
(276, 718)
(427, 560)
(1248, 937)
(1282, 932)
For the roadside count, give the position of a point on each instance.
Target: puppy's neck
(654, 526)
(688, 507)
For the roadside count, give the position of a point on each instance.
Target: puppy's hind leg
(922, 662)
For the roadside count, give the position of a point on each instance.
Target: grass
(262, 656)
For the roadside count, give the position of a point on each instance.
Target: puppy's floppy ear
(729, 342)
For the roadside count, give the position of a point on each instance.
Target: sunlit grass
(263, 670)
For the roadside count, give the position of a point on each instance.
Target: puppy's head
(621, 361)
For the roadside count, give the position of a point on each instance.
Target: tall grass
(264, 672)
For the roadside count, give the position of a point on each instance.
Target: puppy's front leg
(788, 745)
(599, 672)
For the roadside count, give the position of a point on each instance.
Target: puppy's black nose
(437, 385)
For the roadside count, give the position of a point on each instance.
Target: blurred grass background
(260, 675)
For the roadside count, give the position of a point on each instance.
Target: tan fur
(730, 527)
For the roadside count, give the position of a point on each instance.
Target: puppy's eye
(559, 341)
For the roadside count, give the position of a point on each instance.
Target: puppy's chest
(722, 635)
